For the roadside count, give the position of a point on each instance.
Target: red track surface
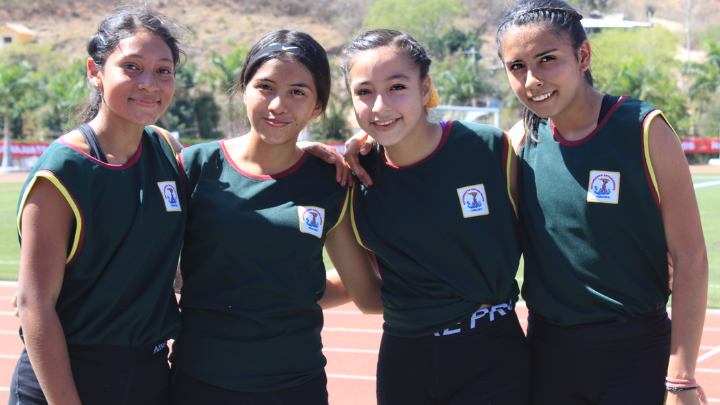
(351, 342)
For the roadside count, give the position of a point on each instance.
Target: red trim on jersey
(597, 129)
(129, 163)
(444, 138)
(82, 218)
(648, 178)
(284, 173)
(522, 142)
(183, 174)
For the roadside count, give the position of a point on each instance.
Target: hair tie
(278, 48)
(434, 98)
(676, 384)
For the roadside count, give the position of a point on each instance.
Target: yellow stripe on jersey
(646, 145)
(167, 136)
(46, 174)
(507, 179)
(344, 208)
(517, 134)
(352, 217)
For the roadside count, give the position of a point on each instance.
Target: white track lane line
(709, 354)
(7, 313)
(707, 370)
(9, 356)
(4, 388)
(707, 184)
(335, 349)
(351, 377)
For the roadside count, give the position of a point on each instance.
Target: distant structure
(11, 33)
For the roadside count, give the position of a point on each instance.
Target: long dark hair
(555, 15)
(124, 23)
(311, 54)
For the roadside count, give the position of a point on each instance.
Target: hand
(14, 302)
(359, 143)
(682, 398)
(330, 155)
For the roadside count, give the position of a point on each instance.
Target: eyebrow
(389, 79)
(137, 55)
(541, 54)
(264, 79)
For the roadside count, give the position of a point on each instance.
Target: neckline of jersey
(563, 141)
(111, 166)
(276, 176)
(445, 133)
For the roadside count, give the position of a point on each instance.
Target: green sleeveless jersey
(253, 271)
(594, 242)
(444, 230)
(123, 253)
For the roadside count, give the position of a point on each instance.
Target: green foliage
(194, 111)
(226, 72)
(14, 84)
(453, 41)
(704, 90)
(591, 4)
(334, 127)
(641, 64)
(459, 80)
(421, 19)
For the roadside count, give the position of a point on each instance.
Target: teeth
(384, 122)
(542, 97)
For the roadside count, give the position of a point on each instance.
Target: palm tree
(707, 74)
(459, 81)
(13, 81)
(225, 75)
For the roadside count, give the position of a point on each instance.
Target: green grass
(9, 247)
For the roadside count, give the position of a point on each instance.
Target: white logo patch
(170, 195)
(312, 220)
(604, 187)
(473, 201)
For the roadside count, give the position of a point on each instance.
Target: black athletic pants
(600, 364)
(485, 365)
(104, 375)
(188, 390)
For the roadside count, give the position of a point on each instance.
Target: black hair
(559, 17)
(380, 38)
(124, 23)
(311, 54)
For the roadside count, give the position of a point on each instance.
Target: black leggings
(600, 364)
(485, 365)
(104, 375)
(188, 390)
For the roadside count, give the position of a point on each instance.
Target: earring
(95, 84)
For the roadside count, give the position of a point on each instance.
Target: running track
(351, 341)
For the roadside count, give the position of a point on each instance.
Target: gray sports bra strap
(92, 142)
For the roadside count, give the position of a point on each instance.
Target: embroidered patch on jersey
(312, 220)
(170, 195)
(604, 187)
(473, 201)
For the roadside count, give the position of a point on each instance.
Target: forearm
(688, 315)
(335, 292)
(47, 349)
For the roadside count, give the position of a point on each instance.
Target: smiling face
(281, 99)
(388, 95)
(545, 72)
(138, 80)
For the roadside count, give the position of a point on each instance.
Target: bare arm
(47, 222)
(355, 267)
(330, 155)
(335, 292)
(683, 232)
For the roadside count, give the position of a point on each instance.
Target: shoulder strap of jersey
(517, 135)
(166, 136)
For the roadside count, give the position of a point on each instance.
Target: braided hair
(556, 15)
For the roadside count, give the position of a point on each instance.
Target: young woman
(101, 226)
(259, 212)
(606, 193)
(442, 224)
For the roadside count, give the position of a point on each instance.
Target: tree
(459, 80)
(13, 82)
(423, 20)
(704, 89)
(194, 108)
(223, 77)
